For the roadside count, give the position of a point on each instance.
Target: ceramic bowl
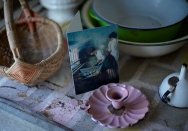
(153, 50)
(61, 11)
(156, 21)
(140, 49)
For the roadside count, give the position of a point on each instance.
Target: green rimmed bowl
(140, 22)
(141, 49)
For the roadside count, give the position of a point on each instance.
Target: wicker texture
(31, 48)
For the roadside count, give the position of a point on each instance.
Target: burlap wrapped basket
(31, 48)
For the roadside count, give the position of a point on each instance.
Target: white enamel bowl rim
(170, 21)
(89, 24)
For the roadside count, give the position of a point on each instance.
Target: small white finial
(183, 72)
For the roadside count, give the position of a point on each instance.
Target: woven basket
(31, 48)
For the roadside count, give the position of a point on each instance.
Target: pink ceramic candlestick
(117, 95)
(133, 107)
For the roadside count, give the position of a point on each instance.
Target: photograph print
(94, 57)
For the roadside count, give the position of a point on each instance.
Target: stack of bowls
(146, 28)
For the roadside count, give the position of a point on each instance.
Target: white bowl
(60, 4)
(142, 20)
(156, 49)
(141, 14)
(61, 11)
(139, 49)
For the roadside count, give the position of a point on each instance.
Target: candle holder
(117, 95)
(117, 105)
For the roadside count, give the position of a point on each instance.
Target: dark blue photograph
(94, 57)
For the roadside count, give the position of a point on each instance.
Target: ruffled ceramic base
(101, 110)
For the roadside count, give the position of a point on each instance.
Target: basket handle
(28, 14)
(10, 28)
(24, 4)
